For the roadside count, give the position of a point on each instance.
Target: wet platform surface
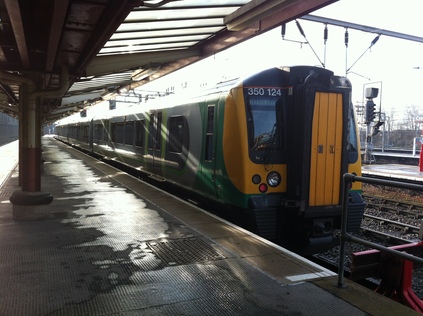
(116, 246)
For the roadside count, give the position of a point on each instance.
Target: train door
(106, 133)
(208, 166)
(326, 149)
(154, 142)
(91, 136)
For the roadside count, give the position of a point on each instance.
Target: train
(9, 128)
(271, 147)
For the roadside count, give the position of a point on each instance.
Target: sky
(389, 65)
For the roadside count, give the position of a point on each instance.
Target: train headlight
(274, 179)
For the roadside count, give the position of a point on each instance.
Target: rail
(347, 180)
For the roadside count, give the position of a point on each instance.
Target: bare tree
(411, 115)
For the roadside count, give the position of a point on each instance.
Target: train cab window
(209, 134)
(139, 133)
(129, 132)
(176, 134)
(264, 123)
(352, 138)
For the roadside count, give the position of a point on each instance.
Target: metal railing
(347, 180)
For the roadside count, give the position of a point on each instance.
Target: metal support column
(368, 146)
(31, 146)
(30, 203)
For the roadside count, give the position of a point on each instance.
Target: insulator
(283, 30)
(325, 33)
(375, 40)
(346, 37)
(300, 28)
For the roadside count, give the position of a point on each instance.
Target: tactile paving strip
(184, 251)
(5, 194)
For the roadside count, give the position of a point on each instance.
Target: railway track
(394, 221)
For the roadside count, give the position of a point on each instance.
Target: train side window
(151, 133)
(85, 130)
(176, 134)
(139, 133)
(129, 132)
(113, 132)
(159, 131)
(119, 132)
(209, 134)
(98, 132)
(106, 130)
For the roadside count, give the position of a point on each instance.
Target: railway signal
(369, 116)
(370, 111)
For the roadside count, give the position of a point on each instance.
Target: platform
(404, 157)
(395, 171)
(114, 245)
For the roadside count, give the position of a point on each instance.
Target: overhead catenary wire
(371, 45)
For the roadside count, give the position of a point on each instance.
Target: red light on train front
(263, 188)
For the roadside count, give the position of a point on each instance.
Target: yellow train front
(289, 135)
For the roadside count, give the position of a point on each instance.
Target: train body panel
(274, 145)
(9, 128)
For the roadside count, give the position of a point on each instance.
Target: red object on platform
(421, 160)
(407, 294)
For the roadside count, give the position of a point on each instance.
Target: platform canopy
(75, 53)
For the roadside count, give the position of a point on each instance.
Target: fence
(347, 180)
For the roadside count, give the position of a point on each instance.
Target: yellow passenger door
(326, 150)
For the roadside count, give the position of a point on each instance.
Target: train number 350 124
(256, 91)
